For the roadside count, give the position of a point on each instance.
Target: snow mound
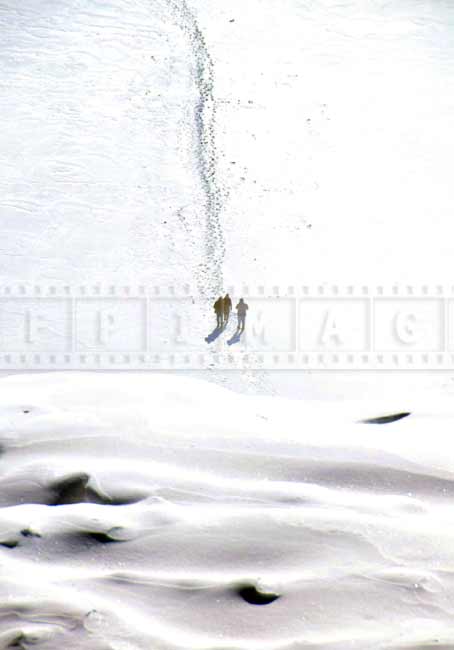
(144, 511)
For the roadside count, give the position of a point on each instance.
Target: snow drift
(141, 511)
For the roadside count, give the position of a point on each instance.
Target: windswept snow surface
(144, 512)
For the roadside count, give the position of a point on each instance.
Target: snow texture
(270, 142)
(108, 145)
(141, 511)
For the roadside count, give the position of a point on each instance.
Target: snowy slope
(278, 143)
(335, 125)
(140, 510)
(104, 178)
(310, 140)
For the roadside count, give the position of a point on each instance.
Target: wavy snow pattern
(133, 516)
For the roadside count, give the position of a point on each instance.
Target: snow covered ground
(211, 144)
(162, 511)
(274, 143)
(313, 138)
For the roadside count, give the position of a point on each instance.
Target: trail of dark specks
(209, 273)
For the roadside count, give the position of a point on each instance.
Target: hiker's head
(241, 300)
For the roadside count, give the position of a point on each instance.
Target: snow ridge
(142, 510)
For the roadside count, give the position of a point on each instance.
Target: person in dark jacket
(227, 308)
(241, 309)
(219, 310)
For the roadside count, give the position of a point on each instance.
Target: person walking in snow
(219, 310)
(227, 308)
(241, 309)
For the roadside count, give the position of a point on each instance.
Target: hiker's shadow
(236, 337)
(215, 333)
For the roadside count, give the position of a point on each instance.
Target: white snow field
(275, 142)
(214, 144)
(155, 511)
(103, 174)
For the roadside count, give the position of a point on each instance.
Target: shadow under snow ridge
(218, 520)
